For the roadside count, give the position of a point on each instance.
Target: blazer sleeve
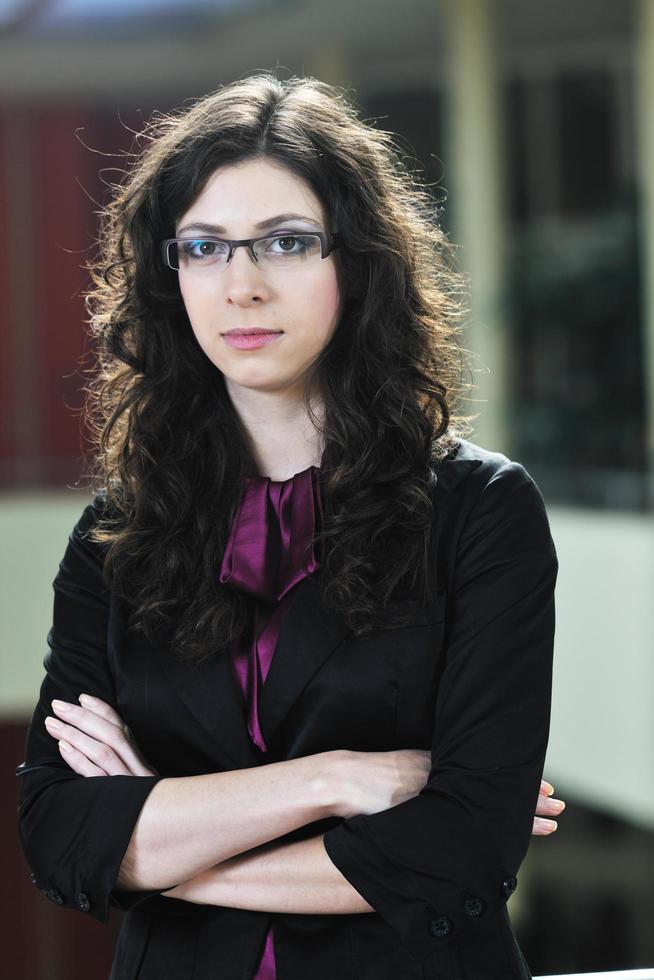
(74, 830)
(440, 866)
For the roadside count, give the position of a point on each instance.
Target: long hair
(169, 450)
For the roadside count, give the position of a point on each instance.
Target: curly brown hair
(169, 450)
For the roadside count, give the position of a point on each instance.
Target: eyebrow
(261, 225)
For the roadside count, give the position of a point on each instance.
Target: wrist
(328, 783)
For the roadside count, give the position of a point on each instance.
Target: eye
(203, 249)
(285, 242)
(281, 245)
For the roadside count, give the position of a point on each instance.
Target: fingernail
(548, 787)
(60, 706)
(65, 746)
(549, 824)
(52, 723)
(557, 805)
(86, 700)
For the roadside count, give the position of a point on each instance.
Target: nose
(243, 279)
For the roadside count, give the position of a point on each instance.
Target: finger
(97, 752)
(542, 827)
(102, 709)
(546, 787)
(105, 733)
(77, 761)
(548, 806)
(138, 764)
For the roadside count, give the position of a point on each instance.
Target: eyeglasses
(288, 251)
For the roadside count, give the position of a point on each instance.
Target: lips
(245, 339)
(249, 332)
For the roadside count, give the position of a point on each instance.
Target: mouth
(249, 332)
(251, 339)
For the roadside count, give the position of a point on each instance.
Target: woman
(302, 635)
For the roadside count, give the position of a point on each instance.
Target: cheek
(198, 307)
(324, 303)
(192, 300)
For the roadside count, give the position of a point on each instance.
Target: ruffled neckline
(269, 549)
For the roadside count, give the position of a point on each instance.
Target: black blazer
(470, 679)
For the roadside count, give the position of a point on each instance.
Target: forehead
(239, 195)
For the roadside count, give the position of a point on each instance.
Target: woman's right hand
(372, 781)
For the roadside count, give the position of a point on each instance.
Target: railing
(646, 974)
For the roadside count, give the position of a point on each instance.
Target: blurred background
(532, 123)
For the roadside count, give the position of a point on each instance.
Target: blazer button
(441, 926)
(509, 886)
(473, 905)
(54, 896)
(83, 902)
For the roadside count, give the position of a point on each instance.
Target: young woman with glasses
(297, 693)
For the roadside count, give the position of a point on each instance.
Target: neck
(283, 439)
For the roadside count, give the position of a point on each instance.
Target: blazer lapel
(212, 695)
(309, 634)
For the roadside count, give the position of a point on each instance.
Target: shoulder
(98, 507)
(473, 466)
(472, 477)
(96, 512)
(487, 504)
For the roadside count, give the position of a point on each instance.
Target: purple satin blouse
(265, 557)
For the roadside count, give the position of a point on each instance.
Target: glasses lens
(198, 253)
(284, 251)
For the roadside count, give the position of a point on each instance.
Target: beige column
(644, 81)
(474, 180)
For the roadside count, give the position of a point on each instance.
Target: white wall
(602, 733)
(34, 531)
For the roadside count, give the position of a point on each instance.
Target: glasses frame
(329, 241)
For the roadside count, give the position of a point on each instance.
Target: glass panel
(587, 139)
(576, 381)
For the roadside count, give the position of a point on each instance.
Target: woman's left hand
(94, 740)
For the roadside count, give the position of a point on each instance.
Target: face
(303, 303)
